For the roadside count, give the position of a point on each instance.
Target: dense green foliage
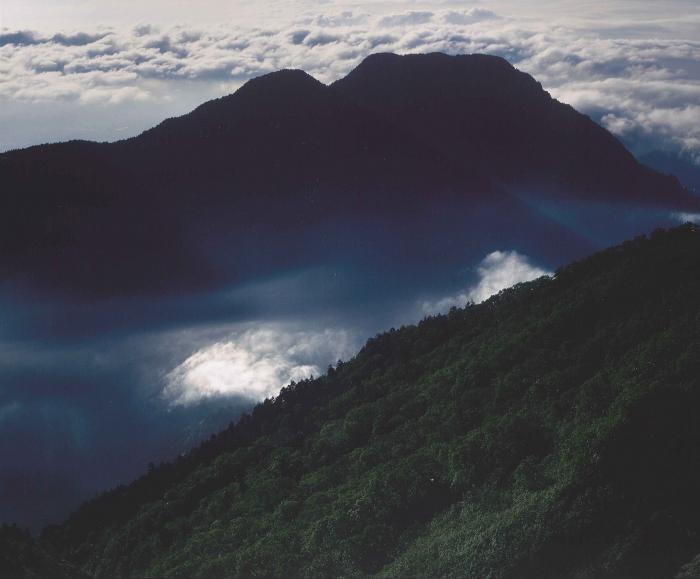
(551, 431)
(21, 557)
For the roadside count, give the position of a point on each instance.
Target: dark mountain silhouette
(681, 165)
(283, 151)
(486, 115)
(398, 139)
(285, 135)
(549, 432)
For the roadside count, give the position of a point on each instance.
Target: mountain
(550, 431)
(399, 139)
(487, 116)
(283, 152)
(681, 165)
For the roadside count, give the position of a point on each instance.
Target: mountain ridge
(286, 149)
(472, 84)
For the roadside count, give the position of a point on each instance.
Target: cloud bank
(643, 89)
(497, 271)
(256, 363)
(687, 217)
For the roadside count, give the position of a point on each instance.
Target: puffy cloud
(27, 37)
(78, 39)
(19, 38)
(256, 363)
(497, 271)
(407, 19)
(470, 16)
(646, 90)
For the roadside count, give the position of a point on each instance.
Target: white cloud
(256, 363)
(497, 271)
(406, 19)
(469, 16)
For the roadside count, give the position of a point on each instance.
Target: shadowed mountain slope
(486, 115)
(549, 432)
(284, 151)
(398, 139)
(681, 165)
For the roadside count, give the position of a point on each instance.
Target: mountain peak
(277, 90)
(382, 59)
(474, 75)
(288, 80)
(487, 115)
(280, 93)
(424, 128)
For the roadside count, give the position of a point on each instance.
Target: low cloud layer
(647, 90)
(497, 271)
(256, 363)
(687, 217)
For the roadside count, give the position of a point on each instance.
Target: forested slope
(21, 557)
(551, 431)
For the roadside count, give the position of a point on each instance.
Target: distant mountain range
(399, 139)
(549, 432)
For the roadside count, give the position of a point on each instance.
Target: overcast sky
(48, 15)
(108, 69)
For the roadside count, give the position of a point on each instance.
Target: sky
(95, 391)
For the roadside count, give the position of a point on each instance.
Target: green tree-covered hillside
(552, 431)
(21, 557)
